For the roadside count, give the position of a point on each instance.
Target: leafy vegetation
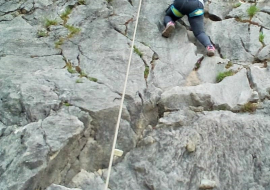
(249, 107)
(81, 2)
(137, 51)
(70, 67)
(223, 75)
(79, 81)
(67, 104)
(92, 79)
(252, 10)
(237, 5)
(49, 22)
(59, 42)
(73, 30)
(261, 37)
(65, 14)
(146, 71)
(230, 64)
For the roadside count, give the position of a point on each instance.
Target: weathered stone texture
(62, 70)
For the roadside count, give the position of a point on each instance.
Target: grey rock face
(62, 70)
(59, 187)
(167, 163)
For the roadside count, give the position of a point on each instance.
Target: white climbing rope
(123, 97)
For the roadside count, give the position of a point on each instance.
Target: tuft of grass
(73, 30)
(67, 104)
(49, 22)
(137, 51)
(230, 64)
(221, 76)
(249, 107)
(237, 5)
(65, 14)
(252, 10)
(93, 79)
(70, 68)
(83, 74)
(42, 33)
(59, 42)
(261, 37)
(79, 81)
(81, 2)
(146, 72)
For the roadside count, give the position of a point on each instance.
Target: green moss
(67, 104)
(137, 51)
(146, 71)
(83, 74)
(70, 67)
(65, 14)
(81, 2)
(261, 37)
(237, 5)
(230, 64)
(252, 10)
(79, 81)
(249, 107)
(49, 22)
(73, 30)
(221, 76)
(59, 42)
(92, 79)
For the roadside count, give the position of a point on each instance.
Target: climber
(194, 9)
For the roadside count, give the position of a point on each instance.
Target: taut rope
(123, 97)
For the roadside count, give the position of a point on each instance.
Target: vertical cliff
(189, 121)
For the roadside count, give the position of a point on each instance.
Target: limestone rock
(207, 184)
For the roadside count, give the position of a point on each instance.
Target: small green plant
(79, 81)
(229, 64)
(249, 107)
(146, 72)
(221, 76)
(49, 22)
(73, 30)
(67, 104)
(137, 51)
(65, 14)
(83, 74)
(70, 67)
(42, 33)
(92, 79)
(252, 10)
(261, 37)
(81, 2)
(59, 42)
(237, 5)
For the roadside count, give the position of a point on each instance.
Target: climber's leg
(171, 16)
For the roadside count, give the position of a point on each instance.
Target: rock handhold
(207, 184)
(191, 146)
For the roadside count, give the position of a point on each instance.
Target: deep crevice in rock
(250, 78)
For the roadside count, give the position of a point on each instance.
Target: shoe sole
(210, 53)
(168, 31)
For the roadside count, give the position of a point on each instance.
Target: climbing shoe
(168, 30)
(210, 50)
